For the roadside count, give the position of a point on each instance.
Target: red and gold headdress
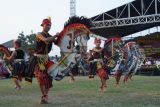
(97, 40)
(46, 21)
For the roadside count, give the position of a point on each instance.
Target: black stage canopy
(136, 8)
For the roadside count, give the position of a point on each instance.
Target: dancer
(97, 65)
(17, 60)
(43, 46)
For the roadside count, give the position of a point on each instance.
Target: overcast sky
(26, 15)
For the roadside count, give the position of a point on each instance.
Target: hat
(97, 40)
(46, 21)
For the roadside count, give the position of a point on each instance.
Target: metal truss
(133, 13)
(97, 36)
(72, 8)
(127, 21)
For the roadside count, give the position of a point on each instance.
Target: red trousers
(43, 77)
(102, 73)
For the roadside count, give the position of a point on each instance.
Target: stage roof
(135, 11)
(8, 44)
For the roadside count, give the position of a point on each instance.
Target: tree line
(27, 41)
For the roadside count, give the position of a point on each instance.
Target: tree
(28, 41)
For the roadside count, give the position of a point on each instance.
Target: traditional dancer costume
(18, 64)
(40, 62)
(43, 62)
(97, 65)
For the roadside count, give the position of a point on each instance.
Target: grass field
(143, 91)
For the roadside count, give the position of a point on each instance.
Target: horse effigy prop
(134, 57)
(113, 54)
(113, 49)
(6, 52)
(73, 46)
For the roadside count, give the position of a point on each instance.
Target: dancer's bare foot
(131, 78)
(104, 89)
(116, 84)
(17, 87)
(44, 99)
(71, 81)
(100, 89)
(125, 81)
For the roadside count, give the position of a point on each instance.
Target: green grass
(143, 91)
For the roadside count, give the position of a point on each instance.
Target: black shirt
(41, 46)
(20, 54)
